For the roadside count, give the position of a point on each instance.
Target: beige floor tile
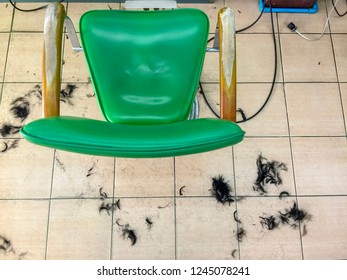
(78, 231)
(4, 37)
(246, 169)
(34, 22)
(75, 67)
(213, 98)
(246, 12)
(306, 23)
(272, 120)
(340, 41)
(307, 61)
(24, 58)
(194, 173)
(25, 97)
(24, 224)
(187, 226)
(210, 9)
(152, 222)
(210, 70)
(79, 101)
(144, 177)
(337, 24)
(326, 232)
(343, 88)
(82, 176)
(260, 242)
(320, 165)
(212, 94)
(205, 229)
(6, 12)
(314, 109)
(255, 58)
(76, 10)
(25, 170)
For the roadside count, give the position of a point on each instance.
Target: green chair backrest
(145, 65)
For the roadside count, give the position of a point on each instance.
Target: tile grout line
(259, 82)
(49, 206)
(337, 77)
(7, 52)
(165, 197)
(289, 133)
(175, 210)
(113, 201)
(236, 209)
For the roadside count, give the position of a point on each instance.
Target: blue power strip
(311, 10)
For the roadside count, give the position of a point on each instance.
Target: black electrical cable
(275, 70)
(202, 92)
(30, 10)
(336, 10)
(273, 80)
(247, 27)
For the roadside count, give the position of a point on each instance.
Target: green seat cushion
(96, 137)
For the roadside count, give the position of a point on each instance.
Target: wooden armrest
(52, 59)
(227, 64)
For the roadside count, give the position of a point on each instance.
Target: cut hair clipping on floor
(103, 194)
(8, 145)
(283, 194)
(7, 250)
(236, 217)
(165, 206)
(269, 222)
(61, 165)
(20, 107)
(240, 234)
(90, 173)
(128, 233)
(108, 207)
(233, 253)
(294, 217)
(221, 190)
(5, 245)
(66, 94)
(9, 129)
(268, 173)
(92, 170)
(149, 222)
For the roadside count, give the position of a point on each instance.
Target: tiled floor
(59, 205)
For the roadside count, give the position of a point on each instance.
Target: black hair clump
(269, 223)
(221, 190)
(268, 173)
(20, 108)
(8, 129)
(128, 233)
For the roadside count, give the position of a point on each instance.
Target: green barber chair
(145, 68)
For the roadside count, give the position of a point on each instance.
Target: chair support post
(52, 58)
(227, 64)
